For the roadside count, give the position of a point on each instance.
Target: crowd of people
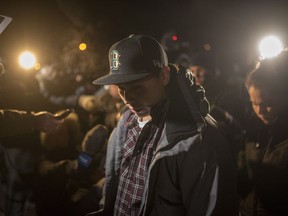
(150, 138)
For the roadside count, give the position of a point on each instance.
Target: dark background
(53, 28)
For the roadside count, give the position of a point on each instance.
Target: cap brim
(112, 79)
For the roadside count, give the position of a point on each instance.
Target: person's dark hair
(270, 74)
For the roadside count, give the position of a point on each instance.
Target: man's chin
(141, 112)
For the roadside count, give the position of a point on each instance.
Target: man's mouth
(139, 110)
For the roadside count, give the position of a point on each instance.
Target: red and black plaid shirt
(138, 152)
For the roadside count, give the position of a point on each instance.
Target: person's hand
(46, 122)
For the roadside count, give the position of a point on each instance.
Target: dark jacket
(263, 173)
(192, 171)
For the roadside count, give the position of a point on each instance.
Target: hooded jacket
(192, 171)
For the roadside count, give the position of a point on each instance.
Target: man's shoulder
(212, 124)
(126, 115)
(124, 119)
(213, 134)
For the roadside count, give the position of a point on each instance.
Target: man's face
(142, 94)
(199, 72)
(265, 105)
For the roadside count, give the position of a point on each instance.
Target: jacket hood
(188, 105)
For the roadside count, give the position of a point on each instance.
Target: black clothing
(263, 173)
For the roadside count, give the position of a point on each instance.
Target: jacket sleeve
(14, 122)
(191, 183)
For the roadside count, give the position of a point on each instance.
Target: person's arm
(13, 122)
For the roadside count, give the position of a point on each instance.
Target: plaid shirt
(138, 152)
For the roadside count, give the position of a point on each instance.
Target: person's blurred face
(265, 105)
(199, 73)
(143, 94)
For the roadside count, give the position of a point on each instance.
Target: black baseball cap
(133, 58)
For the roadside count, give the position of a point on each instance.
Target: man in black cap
(166, 156)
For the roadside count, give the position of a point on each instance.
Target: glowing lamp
(270, 47)
(27, 60)
(82, 46)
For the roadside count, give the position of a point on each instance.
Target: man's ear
(165, 75)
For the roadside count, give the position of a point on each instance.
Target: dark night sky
(233, 28)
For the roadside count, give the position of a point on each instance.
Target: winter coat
(192, 171)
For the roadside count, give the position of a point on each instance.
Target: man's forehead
(258, 95)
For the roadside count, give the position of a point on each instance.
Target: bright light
(82, 46)
(27, 60)
(270, 47)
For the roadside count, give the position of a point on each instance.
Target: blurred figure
(60, 148)
(204, 67)
(16, 164)
(19, 152)
(205, 76)
(69, 169)
(62, 86)
(263, 164)
(199, 73)
(93, 105)
(107, 103)
(14, 122)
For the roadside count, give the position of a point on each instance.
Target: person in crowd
(70, 169)
(61, 87)
(13, 122)
(107, 103)
(199, 72)
(19, 152)
(167, 155)
(15, 166)
(263, 163)
(224, 114)
(203, 66)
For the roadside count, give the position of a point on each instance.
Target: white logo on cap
(114, 60)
